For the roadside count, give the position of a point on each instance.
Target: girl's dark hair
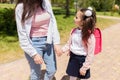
(88, 25)
(29, 8)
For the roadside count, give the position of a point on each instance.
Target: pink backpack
(98, 44)
(98, 38)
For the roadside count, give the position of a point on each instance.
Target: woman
(38, 35)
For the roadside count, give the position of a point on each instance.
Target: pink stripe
(40, 24)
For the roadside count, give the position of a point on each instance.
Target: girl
(38, 35)
(81, 45)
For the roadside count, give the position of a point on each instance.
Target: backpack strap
(72, 31)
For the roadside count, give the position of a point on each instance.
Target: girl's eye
(76, 17)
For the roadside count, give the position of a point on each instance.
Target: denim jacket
(24, 30)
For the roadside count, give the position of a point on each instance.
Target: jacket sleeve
(53, 24)
(22, 35)
(90, 55)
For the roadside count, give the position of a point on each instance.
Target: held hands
(38, 59)
(58, 50)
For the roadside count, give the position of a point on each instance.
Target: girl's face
(78, 19)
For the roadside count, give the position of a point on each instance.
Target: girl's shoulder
(72, 30)
(91, 38)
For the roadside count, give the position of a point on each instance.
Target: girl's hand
(82, 72)
(68, 53)
(38, 59)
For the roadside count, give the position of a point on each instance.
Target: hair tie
(88, 13)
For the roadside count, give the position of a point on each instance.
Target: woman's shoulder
(19, 6)
(47, 5)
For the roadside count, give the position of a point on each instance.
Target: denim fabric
(48, 55)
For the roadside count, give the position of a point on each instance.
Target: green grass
(9, 45)
(115, 14)
(9, 49)
(7, 5)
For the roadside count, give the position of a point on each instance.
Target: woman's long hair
(88, 25)
(29, 8)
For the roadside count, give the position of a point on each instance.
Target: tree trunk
(11, 1)
(3, 1)
(67, 8)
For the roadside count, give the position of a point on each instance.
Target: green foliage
(61, 11)
(84, 3)
(102, 5)
(99, 5)
(7, 21)
(62, 3)
(119, 12)
(117, 2)
(6, 5)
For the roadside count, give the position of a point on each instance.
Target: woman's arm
(53, 24)
(53, 34)
(23, 38)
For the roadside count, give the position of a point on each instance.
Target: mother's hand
(38, 59)
(58, 50)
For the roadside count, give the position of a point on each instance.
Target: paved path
(106, 65)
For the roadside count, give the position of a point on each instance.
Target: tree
(67, 8)
(11, 1)
(3, 1)
(84, 3)
(117, 2)
(102, 5)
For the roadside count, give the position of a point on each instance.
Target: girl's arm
(90, 55)
(66, 47)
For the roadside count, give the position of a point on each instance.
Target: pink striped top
(40, 23)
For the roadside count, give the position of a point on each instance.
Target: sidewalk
(106, 65)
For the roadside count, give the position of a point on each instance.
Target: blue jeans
(48, 55)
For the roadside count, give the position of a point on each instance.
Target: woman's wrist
(34, 56)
